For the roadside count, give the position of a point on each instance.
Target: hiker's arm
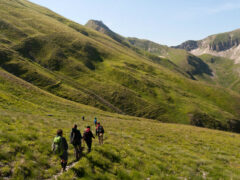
(53, 146)
(92, 135)
(84, 136)
(71, 134)
(80, 135)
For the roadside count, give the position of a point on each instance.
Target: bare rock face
(224, 44)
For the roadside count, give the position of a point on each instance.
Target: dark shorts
(64, 156)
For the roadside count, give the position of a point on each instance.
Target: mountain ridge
(197, 67)
(223, 44)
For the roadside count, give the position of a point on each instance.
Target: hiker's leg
(102, 139)
(80, 150)
(62, 164)
(65, 159)
(89, 144)
(76, 151)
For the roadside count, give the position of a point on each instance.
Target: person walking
(99, 133)
(95, 121)
(60, 147)
(83, 118)
(76, 139)
(87, 136)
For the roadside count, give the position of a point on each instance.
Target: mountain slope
(30, 117)
(50, 67)
(184, 62)
(226, 72)
(88, 67)
(211, 49)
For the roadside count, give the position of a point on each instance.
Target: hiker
(99, 133)
(60, 148)
(76, 139)
(95, 121)
(87, 136)
(83, 118)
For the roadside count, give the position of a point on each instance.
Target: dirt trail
(55, 177)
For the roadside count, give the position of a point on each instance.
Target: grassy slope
(216, 70)
(188, 63)
(77, 63)
(134, 148)
(225, 70)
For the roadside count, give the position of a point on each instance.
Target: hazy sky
(167, 22)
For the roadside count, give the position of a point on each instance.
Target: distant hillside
(225, 72)
(85, 66)
(186, 62)
(224, 44)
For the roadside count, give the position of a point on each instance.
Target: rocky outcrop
(225, 44)
(188, 45)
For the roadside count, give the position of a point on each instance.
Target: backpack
(87, 136)
(58, 145)
(75, 137)
(100, 129)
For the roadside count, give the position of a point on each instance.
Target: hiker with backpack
(76, 141)
(95, 121)
(99, 133)
(87, 136)
(60, 148)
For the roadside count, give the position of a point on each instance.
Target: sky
(168, 22)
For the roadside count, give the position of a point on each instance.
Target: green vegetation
(226, 72)
(88, 67)
(51, 66)
(134, 148)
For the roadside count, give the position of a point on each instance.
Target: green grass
(67, 65)
(134, 148)
(88, 67)
(225, 70)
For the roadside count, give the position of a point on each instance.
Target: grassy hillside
(175, 59)
(134, 148)
(226, 72)
(88, 67)
(50, 67)
(187, 62)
